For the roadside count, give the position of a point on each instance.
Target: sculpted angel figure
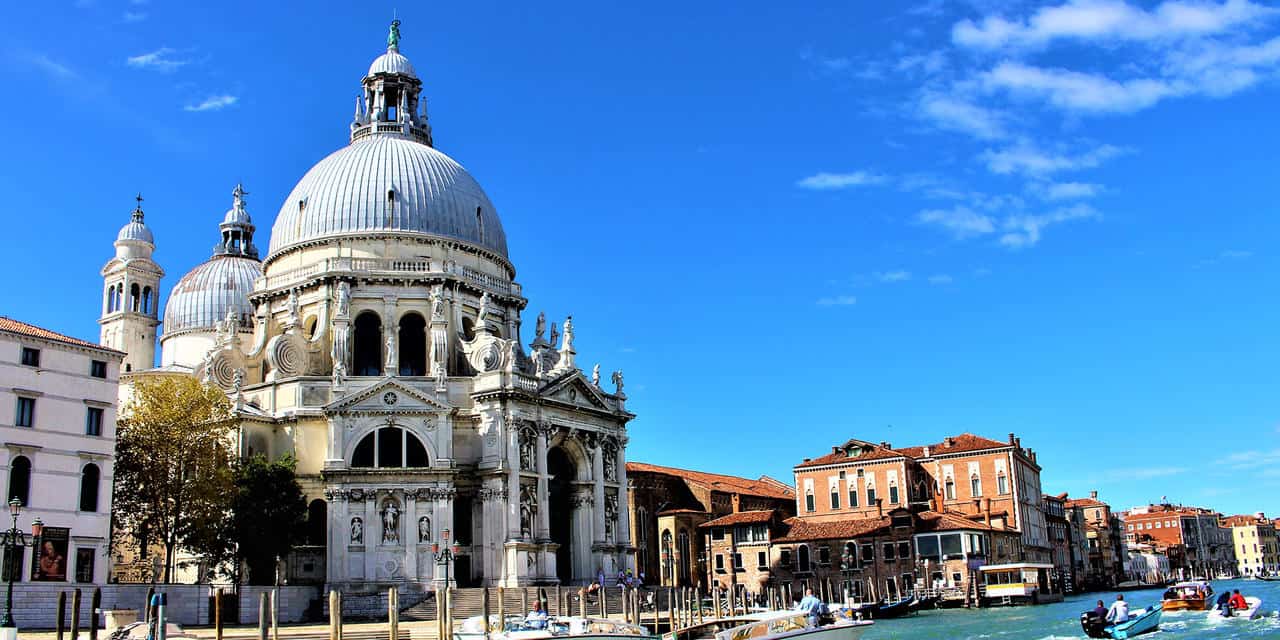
(617, 380)
(540, 328)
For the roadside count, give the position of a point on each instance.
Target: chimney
(948, 442)
(1017, 442)
(835, 449)
(1094, 494)
(805, 460)
(926, 451)
(1033, 456)
(1011, 438)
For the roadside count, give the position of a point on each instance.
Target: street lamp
(445, 554)
(12, 540)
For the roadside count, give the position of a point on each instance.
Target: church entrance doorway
(560, 496)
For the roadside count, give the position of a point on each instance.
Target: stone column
(597, 487)
(623, 527)
(333, 458)
(513, 484)
(409, 534)
(543, 528)
(372, 535)
(337, 537)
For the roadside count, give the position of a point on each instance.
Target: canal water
(1060, 621)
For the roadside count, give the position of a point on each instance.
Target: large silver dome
(387, 184)
(202, 298)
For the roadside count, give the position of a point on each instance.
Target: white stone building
(58, 426)
(379, 341)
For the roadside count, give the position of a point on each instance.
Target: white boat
(794, 626)
(708, 629)
(523, 628)
(1239, 614)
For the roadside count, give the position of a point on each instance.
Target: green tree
(173, 475)
(268, 514)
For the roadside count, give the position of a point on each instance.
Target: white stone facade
(384, 352)
(58, 424)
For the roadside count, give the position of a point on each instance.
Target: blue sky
(789, 223)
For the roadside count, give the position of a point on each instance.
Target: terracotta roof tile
(765, 487)
(741, 517)
(838, 457)
(948, 521)
(962, 443)
(800, 530)
(14, 326)
(1086, 502)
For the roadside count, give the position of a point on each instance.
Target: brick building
(1068, 546)
(669, 504)
(1192, 537)
(1105, 554)
(1254, 540)
(965, 474)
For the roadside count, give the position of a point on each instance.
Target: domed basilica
(378, 340)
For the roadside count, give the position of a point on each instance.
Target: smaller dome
(202, 298)
(236, 215)
(392, 62)
(137, 231)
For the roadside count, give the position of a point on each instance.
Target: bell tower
(131, 295)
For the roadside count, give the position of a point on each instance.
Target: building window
(824, 556)
(30, 357)
(887, 548)
(98, 369)
(871, 495)
(868, 554)
(762, 560)
(784, 558)
(737, 562)
(1002, 484)
(802, 559)
(835, 498)
(26, 416)
(893, 494)
(808, 502)
(389, 447)
(904, 549)
(853, 495)
(93, 422)
(89, 487)
(84, 565)
(367, 345)
(717, 533)
(719, 563)
(413, 345)
(975, 486)
(949, 489)
(20, 479)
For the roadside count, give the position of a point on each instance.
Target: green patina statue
(393, 38)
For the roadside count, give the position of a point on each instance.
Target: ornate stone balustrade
(390, 267)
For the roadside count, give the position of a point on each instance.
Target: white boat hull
(1255, 604)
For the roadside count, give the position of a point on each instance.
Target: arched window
(468, 329)
(111, 298)
(1002, 483)
(802, 559)
(146, 299)
(893, 492)
(367, 345)
(686, 556)
(133, 297)
(667, 556)
(20, 479)
(89, 477)
(312, 323)
(389, 448)
(949, 489)
(413, 345)
(317, 525)
(975, 486)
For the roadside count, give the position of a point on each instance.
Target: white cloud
(158, 60)
(837, 301)
(1023, 230)
(1028, 159)
(1068, 190)
(212, 103)
(1109, 21)
(831, 181)
(134, 16)
(955, 113)
(960, 220)
(940, 279)
(1253, 459)
(52, 67)
(927, 63)
(1078, 92)
(893, 276)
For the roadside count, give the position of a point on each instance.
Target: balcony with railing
(387, 267)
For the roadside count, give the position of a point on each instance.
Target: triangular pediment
(573, 388)
(387, 396)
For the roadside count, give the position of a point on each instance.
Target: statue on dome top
(393, 38)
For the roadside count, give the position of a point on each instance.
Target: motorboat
(1192, 595)
(927, 602)
(795, 626)
(1248, 613)
(708, 629)
(1270, 578)
(895, 609)
(531, 628)
(1140, 622)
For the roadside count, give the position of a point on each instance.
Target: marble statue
(595, 375)
(344, 299)
(391, 352)
(526, 452)
(568, 334)
(291, 307)
(390, 522)
(482, 314)
(555, 335)
(424, 529)
(437, 304)
(528, 510)
(540, 328)
(617, 381)
(610, 464)
(357, 531)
